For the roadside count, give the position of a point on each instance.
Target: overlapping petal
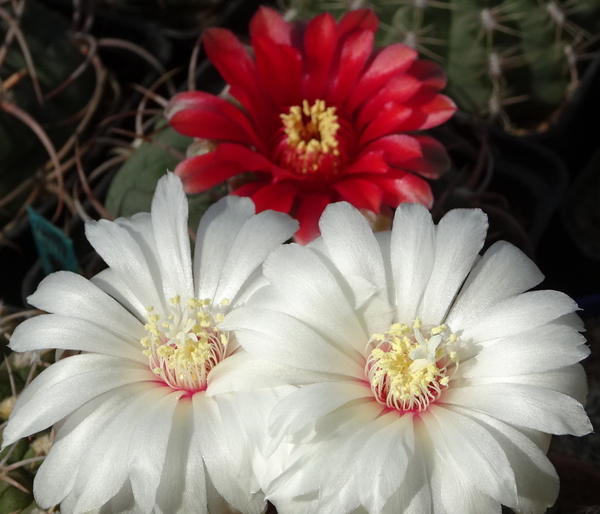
(366, 100)
(129, 438)
(508, 361)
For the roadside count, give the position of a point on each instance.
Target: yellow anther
(311, 128)
(165, 350)
(407, 368)
(438, 330)
(149, 309)
(183, 344)
(224, 302)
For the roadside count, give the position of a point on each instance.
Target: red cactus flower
(323, 117)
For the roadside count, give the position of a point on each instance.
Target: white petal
(242, 371)
(310, 403)
(504, 271)
(477, 455)
(134, 264)
(182, 488)
(148, 449)
(385, 459)
(300, 277)
(70, 294)
(278, 337)
(525, 405)
(541, 349)
(56, 476)
(103, 469)
(259, 236)
(64, 387)
(412, 253)
(67, 333)
(518, 314)
(169, 222)
(317, 465)
(109, 282)
(217, 458)
(241, 449)
(351, 244)
(572, 320)
(569, 380)
(413, 495)
(122, 503)
(217, 231)
(452, 492)
(460, 496)
(254, 408)
(536, 479)
(458, 239)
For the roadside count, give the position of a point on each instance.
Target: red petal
(237, 68)
(360, 19)
(422, 155)
(205, 171)
(435, 160)
(244, 157)
(280, 68)
(249, 188)
(391, 61)
(399, 89)
(438, 110)
(361, 193)
(397, 148)
(319, 47)
(431, 74)
(269, 23)
(308, 216)
(199, 114)
(356, 50)
(391, 116)
(208, 125)
(368, 162)
(278, 197)
(406, 188)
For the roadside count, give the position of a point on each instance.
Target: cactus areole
(320, 116)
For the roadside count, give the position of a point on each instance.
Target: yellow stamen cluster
(312, 128)
(408, 367)
(185, 345)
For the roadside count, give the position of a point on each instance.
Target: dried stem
(193, 64)
(13, 24)
(142, 52)
(86, 187)
(45, 140)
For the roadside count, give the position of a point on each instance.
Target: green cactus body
(515, 61)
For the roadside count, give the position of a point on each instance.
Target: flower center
(409, 367)
(185, 345)
(310, 143)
